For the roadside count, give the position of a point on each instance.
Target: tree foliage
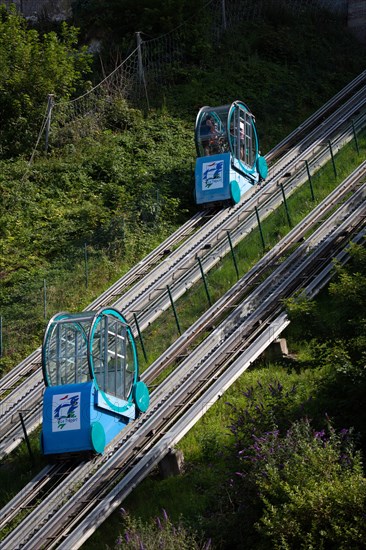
(120, 195)
(32, 67)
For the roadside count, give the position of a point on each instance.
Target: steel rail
(134, 274)
(301, 152)
(324, 112)
(142, 268)
(153, 257)
(29, 492)
(316, 140)
(203, 377)
(268, 262)
(149, 307)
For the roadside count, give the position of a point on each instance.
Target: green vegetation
(159, 533)
(33, 66)
(121, 191)
(17, 470)
(116, 193)
(284, 446)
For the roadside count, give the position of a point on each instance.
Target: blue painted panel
(68, 415)
(66, 418)
(244, 182)
(113, 424)
(249, 174)
(212, 178)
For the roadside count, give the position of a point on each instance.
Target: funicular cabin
(228, 161)
(93, 391)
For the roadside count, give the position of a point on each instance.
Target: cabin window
(67, 361)
(113, 357)
(211, 135)
(241, 134)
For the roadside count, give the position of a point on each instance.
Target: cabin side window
(113, 358)
(67, 361)
(211, 134)
(241, 135)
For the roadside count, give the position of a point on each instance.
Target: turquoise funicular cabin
(93, 391)
(228, 163)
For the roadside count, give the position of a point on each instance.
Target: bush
(291, 486)
(312, 488)
(158, 534)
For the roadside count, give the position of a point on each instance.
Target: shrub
(311, 486)
(157, 534)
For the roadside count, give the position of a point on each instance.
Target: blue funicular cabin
(93, 390)
(228, 161)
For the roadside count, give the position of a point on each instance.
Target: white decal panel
(212, 175)
(66, 412)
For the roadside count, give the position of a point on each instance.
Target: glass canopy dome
(228, 128)
(88, 346)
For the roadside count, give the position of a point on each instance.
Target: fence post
(260, 228)
(140, 336)
(233, 255)
(333, 161)
(48, 119)
(141, 66)
(174, 310)
(26, 436)
(355, 136)
(286, 207)
(1, 336)
(310, 181)
(204, 281)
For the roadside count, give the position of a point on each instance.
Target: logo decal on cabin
(66, 412)
(213, 175)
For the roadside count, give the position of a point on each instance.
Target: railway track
(138, 448)
(323, 113)
(147, 297)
